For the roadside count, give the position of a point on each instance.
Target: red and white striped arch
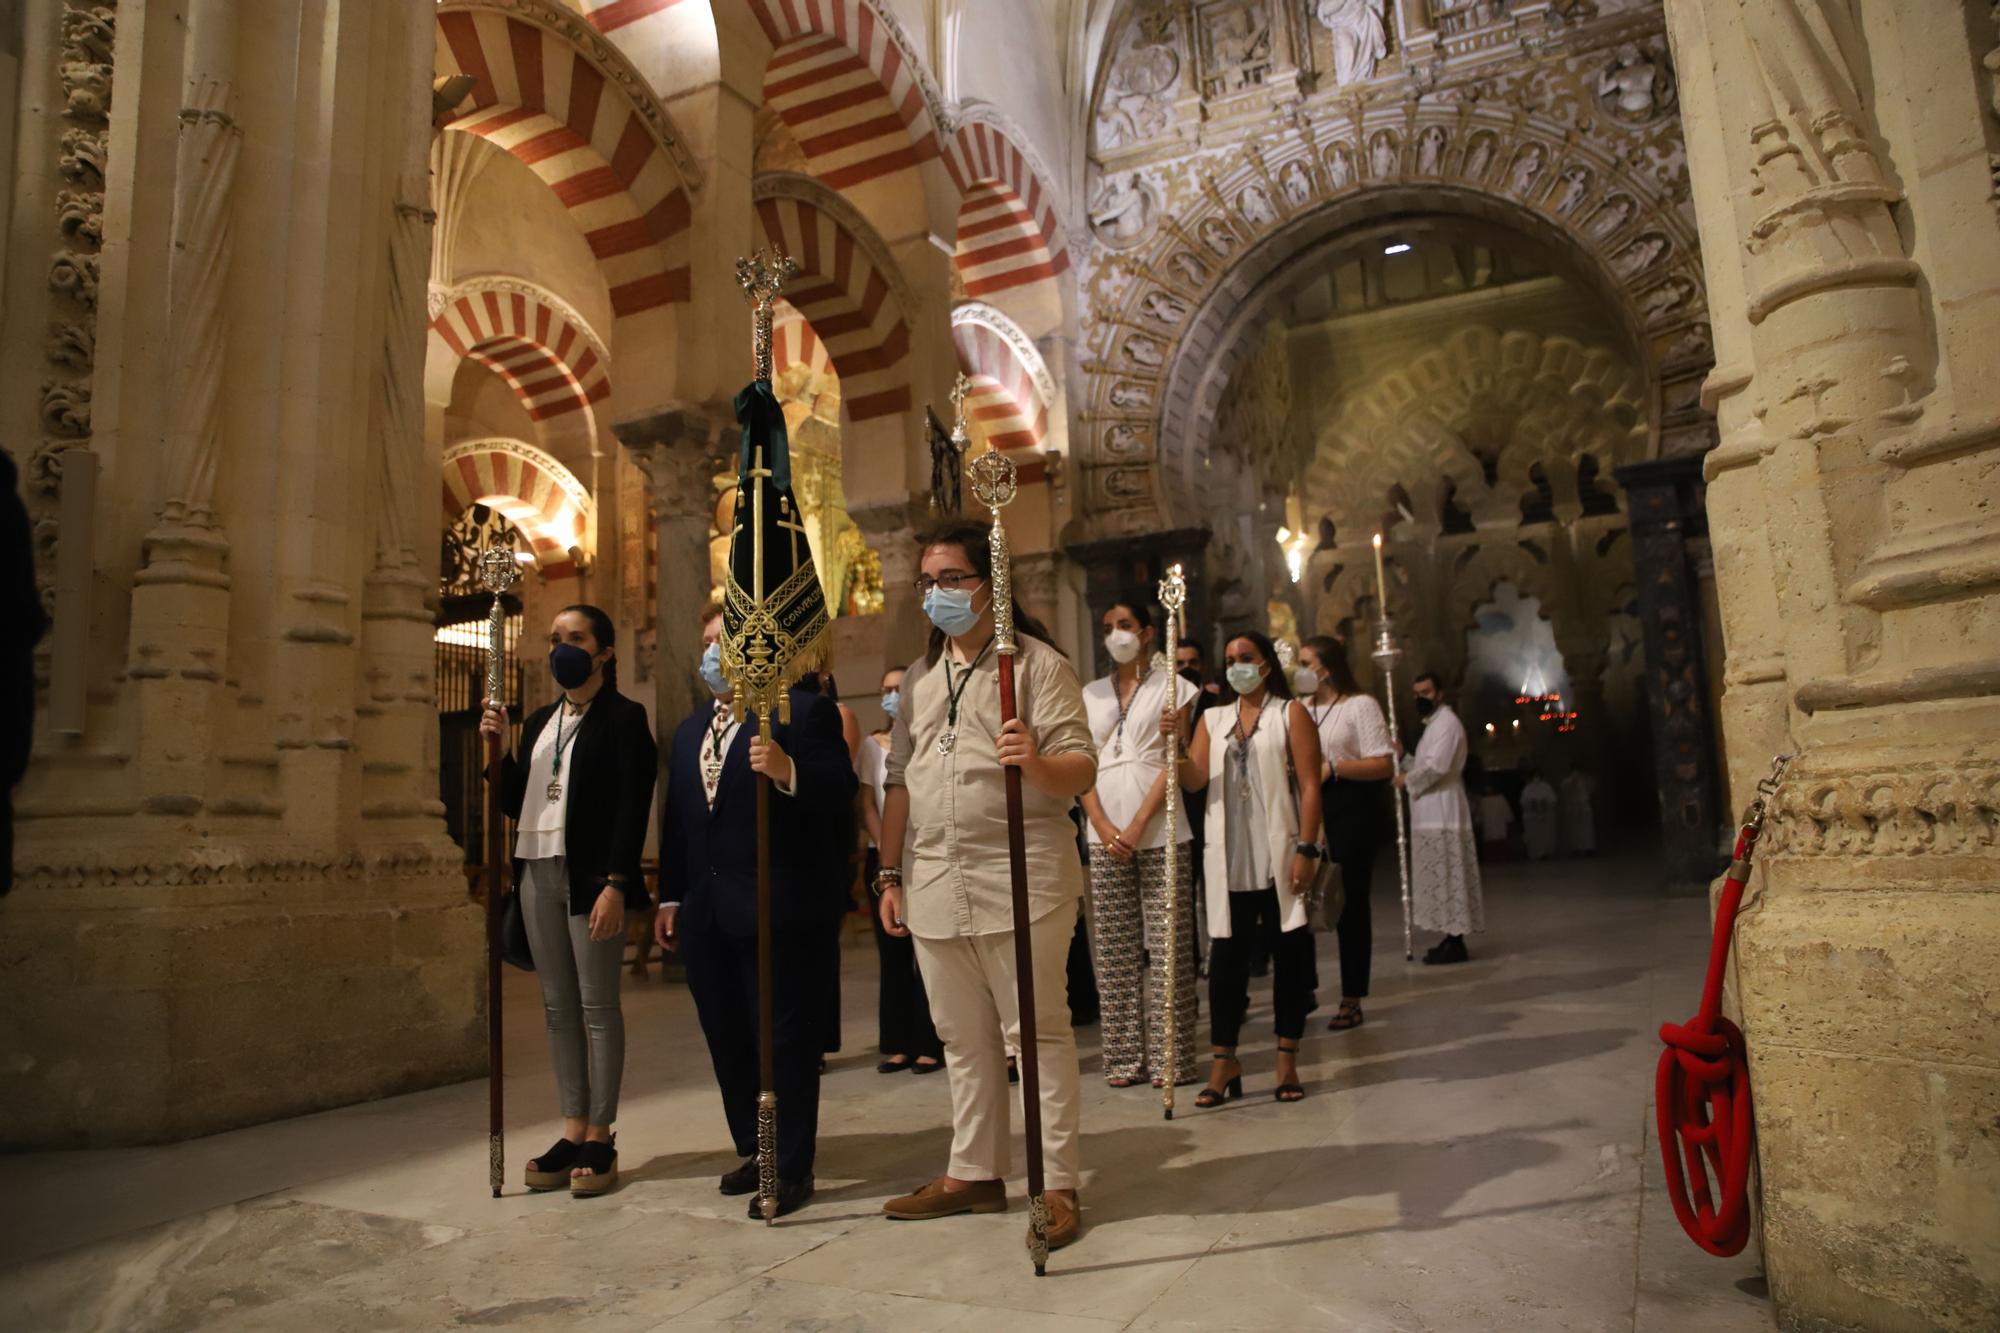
(545, 102)
(793, 343)
(843, 83)
(1008, 230)
(532, 339)
(538, 495)
(608, 16)
(845, 292)
(1011, 387)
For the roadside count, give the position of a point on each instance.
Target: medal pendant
(555, 792)
(947, 741)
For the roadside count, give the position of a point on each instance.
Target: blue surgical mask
(711, 669)
(570, 665)
(951, 609)
(1245, 676)
(891, 701)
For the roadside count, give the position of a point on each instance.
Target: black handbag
(513, 931)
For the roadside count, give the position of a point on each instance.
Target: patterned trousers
(1128, 902)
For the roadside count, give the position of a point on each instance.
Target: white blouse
(1351, 728)
(538, 833)
(1131, 752)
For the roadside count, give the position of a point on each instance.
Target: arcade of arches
(1656, 343)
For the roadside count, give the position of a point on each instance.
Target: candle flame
(1378, 541)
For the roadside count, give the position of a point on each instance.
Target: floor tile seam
(970, 1302)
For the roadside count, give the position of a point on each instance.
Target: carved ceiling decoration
(1559, 126)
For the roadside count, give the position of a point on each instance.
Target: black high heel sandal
(1289, 1092)
(1230, 1091)
(550, 1171)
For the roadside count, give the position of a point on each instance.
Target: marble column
(1664, 503)
(680, 453)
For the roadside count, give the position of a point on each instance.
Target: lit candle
(1381, 581)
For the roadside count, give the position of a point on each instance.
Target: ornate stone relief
(1482, 112)
(1138, 97)
(1236, 46)
(1905, 811)
(85, 75)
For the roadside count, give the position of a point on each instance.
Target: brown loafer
(1065, 1222)
(934, 1200)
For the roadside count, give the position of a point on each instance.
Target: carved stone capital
(680, 453)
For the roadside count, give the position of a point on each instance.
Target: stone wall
(1843, 162)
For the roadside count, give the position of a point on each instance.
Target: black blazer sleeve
(825, 778)
(637, 761)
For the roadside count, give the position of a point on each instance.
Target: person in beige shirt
(945, 782)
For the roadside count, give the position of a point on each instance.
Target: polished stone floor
(1479, 1156)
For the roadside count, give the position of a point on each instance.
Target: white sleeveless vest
(1281, 815)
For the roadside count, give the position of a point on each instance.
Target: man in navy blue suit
(708, 903)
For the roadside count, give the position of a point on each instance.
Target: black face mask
(1192, 675)
(1425, 707)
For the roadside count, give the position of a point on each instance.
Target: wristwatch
(1309, 850)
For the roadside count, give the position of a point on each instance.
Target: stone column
(1664, 504)
(679, 451)
(1843, 185)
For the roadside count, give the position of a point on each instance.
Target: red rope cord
(1701, 1095)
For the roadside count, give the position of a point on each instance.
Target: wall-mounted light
(1398, 248)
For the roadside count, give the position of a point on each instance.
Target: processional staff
(499, 571)
(994, 484)
(773, 630)
(1386, 653)
(1173, 596)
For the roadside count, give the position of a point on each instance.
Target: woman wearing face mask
(1358, 761)
(1259, 760)
(908, 1039)
(580, 805)
(1129, 892)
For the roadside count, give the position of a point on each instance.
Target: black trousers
(722, 976)
(1354, 820)
(903, 1010)
(1255, 917)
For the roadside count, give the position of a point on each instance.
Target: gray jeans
(579, 979)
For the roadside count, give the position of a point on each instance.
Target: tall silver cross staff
(499, 571)
(1173, 596)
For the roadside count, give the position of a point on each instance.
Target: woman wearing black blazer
(580, 805)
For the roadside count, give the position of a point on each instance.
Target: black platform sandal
(600, 1158)
(1289, 1092)
(1229, 1091)
(550, 1171)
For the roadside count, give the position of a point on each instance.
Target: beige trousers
(970, 979)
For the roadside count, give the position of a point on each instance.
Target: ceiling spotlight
(1398, 248)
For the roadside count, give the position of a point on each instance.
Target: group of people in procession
(1285, 768)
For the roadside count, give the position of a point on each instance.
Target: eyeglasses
(950, 582)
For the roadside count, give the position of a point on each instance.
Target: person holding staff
(1129, 893)
(580, 806)
(1358, 759)
(945, 786)
(1259, 760)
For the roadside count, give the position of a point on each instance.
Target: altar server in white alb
(1444, 859)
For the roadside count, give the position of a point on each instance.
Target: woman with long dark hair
(1357, 762)
(1258, 759)
(1127, 841)
(580, 804)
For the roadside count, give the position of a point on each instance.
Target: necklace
(1125, 703)
(948, 738)
(555, 767)
(1239, 740)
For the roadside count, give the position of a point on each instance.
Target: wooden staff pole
(994, 484)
